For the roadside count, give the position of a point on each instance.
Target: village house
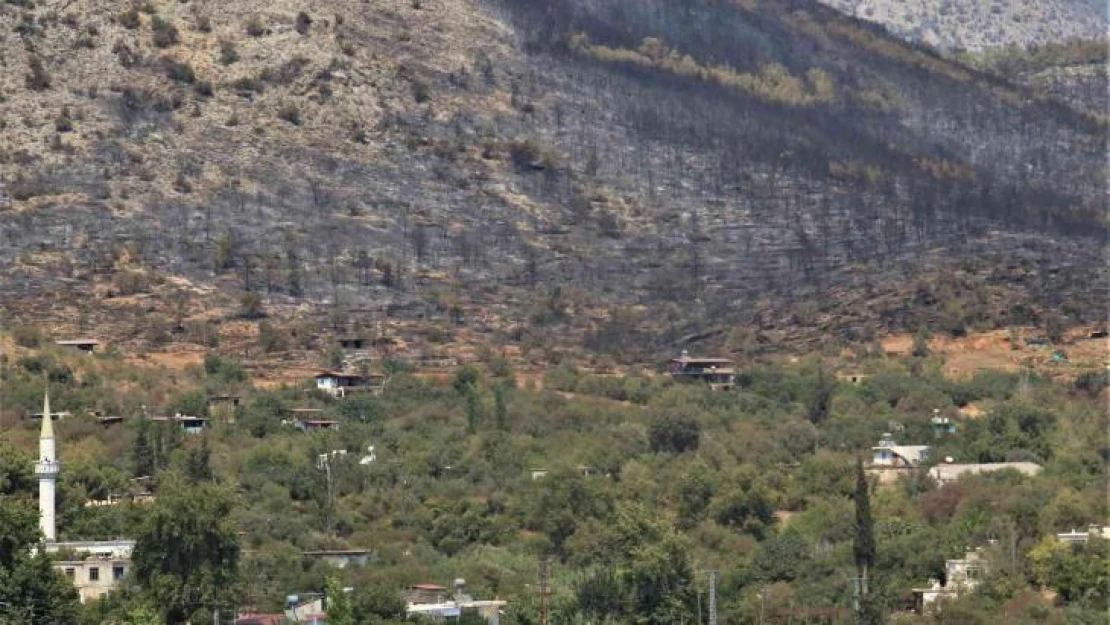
(54, 416)
(338, 384)
(87, 346)
(942, 426)
(718, 373)
(188, 424)
(315, 425)
(891, 460)
(962, 576)
(947, 472)
(433, 605)
(339, 558)
(352, 343)
(1082, 537)
(583, 470)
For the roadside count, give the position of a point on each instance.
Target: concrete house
(433, 605)
(338, 384)
(890, 460)
(946, 472)
(962, 576)
(718, 373)
(87, 346)
(188, 424)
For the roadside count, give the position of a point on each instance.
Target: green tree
(921, 342)
(820, 398)
(673, 433)
(263, 415)
(339, 608)
(466, 377)
(200, 459)
(143, 453)
(186, 555)
(863, 547)
(376, 603)
(474, 411)
(31, 590)
(500, 409)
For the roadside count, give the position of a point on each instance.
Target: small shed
(188, 424)
(340, 558)
(87, 346)
(313, 425)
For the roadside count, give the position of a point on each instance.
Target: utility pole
(545, 581)
(712, 597)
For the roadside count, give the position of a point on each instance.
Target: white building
(1081, 537)
(95, 567)
(890, 454)
(962, 576)
(947, 472)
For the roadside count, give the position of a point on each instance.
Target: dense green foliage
(639, 498)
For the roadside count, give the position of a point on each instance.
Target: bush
(224, 370)
(164, 32)
(421, 91)
(228, 53)
(250, 306)
(674, 434)
(27, 335)
(39, 78)
(178, 71)
(290, 113)
(204, 24)
(1092, 382)
(204, 88)
(64, 122)
(303, 23)
(129, 19)
(255, 27)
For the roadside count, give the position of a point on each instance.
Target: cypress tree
(143, 453)
(500, 410)
(863, 547)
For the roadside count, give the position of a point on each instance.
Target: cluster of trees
(638, 500)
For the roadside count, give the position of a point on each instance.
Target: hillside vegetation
(522, 170)
(756, 483)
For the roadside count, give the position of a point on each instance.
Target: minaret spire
(47, 469)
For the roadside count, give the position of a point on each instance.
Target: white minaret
(47, 469)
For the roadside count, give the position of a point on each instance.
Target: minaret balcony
(47, 468)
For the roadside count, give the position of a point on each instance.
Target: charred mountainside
(650, 171)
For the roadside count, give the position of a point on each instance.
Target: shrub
(204, 88)
(39, 78)
(164, 32)
(290, 113)
(228, 53)
(421, 91)
(178, 71)
(27, 335)
(303, 23)
(64, 122)
(255, 28)
(250, 306)
(224, 370)
(674, 434)
(129, 19)
(204, 24)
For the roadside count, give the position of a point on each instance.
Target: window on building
(69, 572)
(94, 574)
(117, 572)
